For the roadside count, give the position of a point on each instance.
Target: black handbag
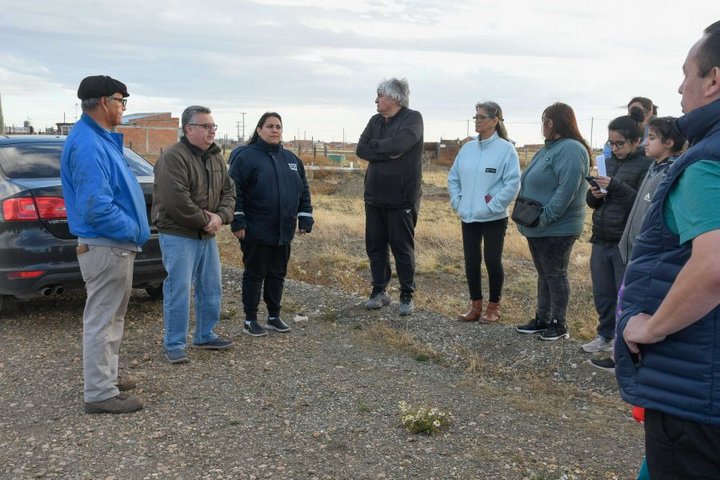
(526, 212)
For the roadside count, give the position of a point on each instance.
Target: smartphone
(591, 181)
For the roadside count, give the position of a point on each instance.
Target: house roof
(137, 116)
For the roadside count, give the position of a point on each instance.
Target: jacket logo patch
(293, 166)
(490, 170)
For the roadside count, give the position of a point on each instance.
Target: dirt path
(319, 403)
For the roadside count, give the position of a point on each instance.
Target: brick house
(149, 133)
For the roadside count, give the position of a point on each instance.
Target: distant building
(64, 128)
(442, 152)
(149, 133)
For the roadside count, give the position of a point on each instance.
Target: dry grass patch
(436, 176)
(403, 341)
(334, 255)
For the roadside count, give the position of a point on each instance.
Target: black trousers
(394, 228)
(551, 256)
(265, 265)
(492, 234)
(679, 449)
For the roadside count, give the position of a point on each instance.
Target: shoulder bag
(526, 212)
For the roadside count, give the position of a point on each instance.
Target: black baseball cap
(97, 86)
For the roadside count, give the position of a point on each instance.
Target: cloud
(322, 57)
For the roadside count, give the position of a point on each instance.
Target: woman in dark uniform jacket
(273, 199)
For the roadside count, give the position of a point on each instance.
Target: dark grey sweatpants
(393, 228)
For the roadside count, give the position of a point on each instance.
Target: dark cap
(98, 86)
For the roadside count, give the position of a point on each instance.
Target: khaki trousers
(107, 272)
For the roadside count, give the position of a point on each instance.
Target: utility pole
(237, 124)
(243, 120)
(467, 134)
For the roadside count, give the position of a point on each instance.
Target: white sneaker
(599, 344)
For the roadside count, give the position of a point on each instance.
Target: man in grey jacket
(392, 143)
(193, 197)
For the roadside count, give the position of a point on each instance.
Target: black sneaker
(555, 331)
(219, 343)
(176, 356)
(605, 363)
(533, 326)
(276, 323)
(254, 329)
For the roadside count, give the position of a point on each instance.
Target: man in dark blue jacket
(392, 143)
(106, 211)
(668, 343)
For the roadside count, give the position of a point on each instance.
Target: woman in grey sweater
(555, 178)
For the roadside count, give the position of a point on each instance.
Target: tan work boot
(472, 315)
(492, 314)
(126, 382)
(122, 403)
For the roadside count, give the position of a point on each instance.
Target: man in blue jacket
(392, 143)
(106, 211)
(669, 361)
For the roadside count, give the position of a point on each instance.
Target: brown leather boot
(474, 314)
(492, 314)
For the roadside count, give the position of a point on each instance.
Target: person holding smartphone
(611, 199)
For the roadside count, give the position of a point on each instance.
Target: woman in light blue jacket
(482, 182)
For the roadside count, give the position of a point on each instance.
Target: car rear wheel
(156, 293)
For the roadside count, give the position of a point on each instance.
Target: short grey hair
(190, 112)
(397, 89)
(89, 104)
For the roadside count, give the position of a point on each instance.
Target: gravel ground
(318, 403)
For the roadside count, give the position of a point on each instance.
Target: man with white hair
(392, 143)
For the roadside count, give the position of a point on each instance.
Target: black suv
(37, 250)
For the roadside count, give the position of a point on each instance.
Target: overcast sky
(318, 63)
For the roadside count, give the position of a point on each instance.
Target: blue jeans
(607, 270)
(190, 262)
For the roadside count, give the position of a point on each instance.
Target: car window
(38, 160)
(139, 166)
(31, 160)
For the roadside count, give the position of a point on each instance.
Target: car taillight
(23, 275)
(39, 208)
